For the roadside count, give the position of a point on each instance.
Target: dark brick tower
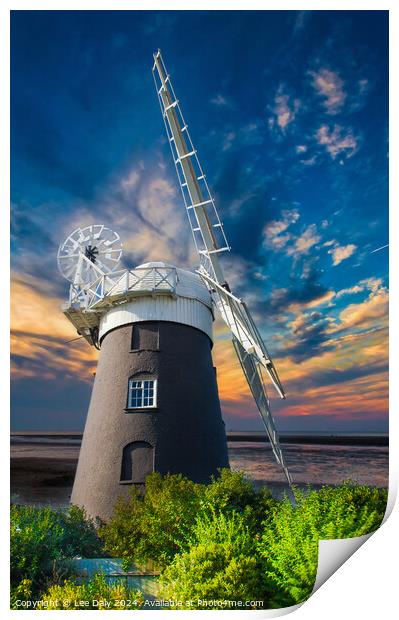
(155, 404)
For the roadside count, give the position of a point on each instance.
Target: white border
(366, 585)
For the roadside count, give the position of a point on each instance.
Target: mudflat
(42, 481)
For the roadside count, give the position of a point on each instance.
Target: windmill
(154, 403)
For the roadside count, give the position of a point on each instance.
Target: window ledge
(140, 409)
(140, 350)
(131, 482)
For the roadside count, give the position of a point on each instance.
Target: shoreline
(344, 439)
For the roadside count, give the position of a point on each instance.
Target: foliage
(153, 526)
(220, 565)
(96, 593)
(40, 536)
(232, 491)
(20, 592)
(224, 541)
(289, 543)
(157, 525)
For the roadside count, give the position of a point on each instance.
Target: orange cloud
(372, 311)
(363, 355)
(39, 332)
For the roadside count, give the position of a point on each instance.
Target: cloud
(26, 226)
(300, 21)
(284, 110)
(147, 211)
(307, 292)
(352, 290)
(305, 241)
(131, 180)
(341, 252)
(363, 86)
(372, 284)
(39, 332)
(309, 335)
(220, 101)
(146, 208)
(330, 87)
(273, 237)
(157, 229)
(228, 140)
(337, 141)
(320, 374)
(250, 134)
(371, 312)
(311, 161)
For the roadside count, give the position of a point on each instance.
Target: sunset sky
(289, 113)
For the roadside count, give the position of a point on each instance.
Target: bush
(93, 594)
(233, 492)
(21, 592)
(157, 525)
(289, 543)
(41, 536)
(220, 565)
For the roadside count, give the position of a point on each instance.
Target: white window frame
(142, 380)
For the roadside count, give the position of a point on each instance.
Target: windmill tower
(154, 404)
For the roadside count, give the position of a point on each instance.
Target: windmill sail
(206, 227)
(236, 315)
(210, 241)
(253, 375)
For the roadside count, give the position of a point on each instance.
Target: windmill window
(142, 393)
(145, 337)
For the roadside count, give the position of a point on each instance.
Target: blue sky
(289, 113)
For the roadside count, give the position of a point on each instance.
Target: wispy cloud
(342, 252)
(337, 141)
(371, 284)
(284, 110)
(273, 231)
(228, 140)
(301, 148)
(330, 87)
(301, 18)
(131, 180)
(221, 101)
(309, 334)
(371, 312)
(305, 241)
(39, 346)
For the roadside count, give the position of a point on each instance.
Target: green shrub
(153, 526)
(233, 492)
(93, 594)
(20, 592)
(289, 543)
(40, 536)
(157, 525)
(220, 565)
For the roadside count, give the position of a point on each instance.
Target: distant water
(311, 463)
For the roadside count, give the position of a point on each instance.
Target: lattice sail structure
(210, 241)
(206, 226)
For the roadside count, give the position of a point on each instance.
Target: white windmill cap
(189, 284)
(156, 263)
(189, 304)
